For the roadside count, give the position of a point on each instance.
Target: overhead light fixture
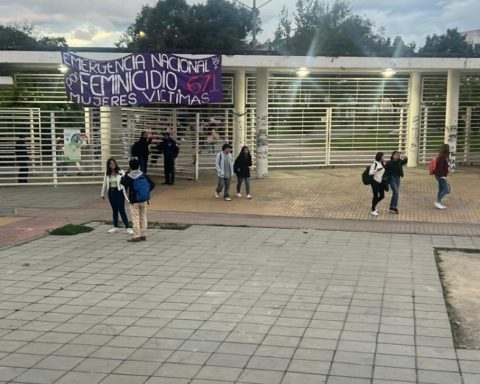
(142, 34)
(303, 72)
(63, 68)
(389, 72)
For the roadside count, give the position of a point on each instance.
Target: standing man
(170, 150)
(141, 151)
(138, 187)
(224, 167)
(22, 158)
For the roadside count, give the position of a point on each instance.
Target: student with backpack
(439, 167)
(138, 187)
(393, 172)
(377, 171)
(114, 189)
(140, 150)
(169, 148)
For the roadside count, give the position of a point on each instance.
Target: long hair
(242, 153)
(109, 170)
(393, 154)
(378, 157)
(444, 151)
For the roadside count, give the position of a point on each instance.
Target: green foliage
(174, 25)
(324, 29)
(26, 38)
(450, 44)
(70, 230)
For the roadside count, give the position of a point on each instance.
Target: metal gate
(331, 120)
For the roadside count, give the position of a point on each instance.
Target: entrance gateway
(340, 115)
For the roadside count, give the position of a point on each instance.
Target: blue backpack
(141, 186)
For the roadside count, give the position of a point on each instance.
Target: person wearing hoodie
(242, 170)
(169, 148)
(138, 186)
(141, 150)
(393, 172)
(224, 167)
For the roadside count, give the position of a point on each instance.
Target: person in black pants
(169, 148)
(22, 159)
(141, 151)
(377, 170)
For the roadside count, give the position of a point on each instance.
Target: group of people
(386, 176)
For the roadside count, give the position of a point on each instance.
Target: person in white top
(377, 170)
(115, 192)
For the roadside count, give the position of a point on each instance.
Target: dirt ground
(460, 272)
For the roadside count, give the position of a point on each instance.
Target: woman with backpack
(377, 170)
(241, 167)
(441, 173)
(115, 192)
(393, 172)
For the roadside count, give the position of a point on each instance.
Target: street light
(255, 12)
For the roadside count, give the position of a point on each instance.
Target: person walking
(394, 172)
(22, 158)
(241, 167)
(140, 150)
(115, 191)
(224, 167)
(169, 148)
(441, 174)
(377, 170)
(138, 187)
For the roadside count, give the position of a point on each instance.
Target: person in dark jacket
(441, 174)
(241, 167)
(22, 159)
(393, 172)
(138, 209)
(141, 150)
(169, 148)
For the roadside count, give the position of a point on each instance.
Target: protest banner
(143, 79)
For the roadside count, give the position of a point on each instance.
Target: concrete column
(451, 116)
(110, 119)
(262, 123)
(414, 110)
(239, 100)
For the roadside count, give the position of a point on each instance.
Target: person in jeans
(241, 167)
(224, 167)
(115, 192)
(377, 170)
(21, 155)
(138, 209)
(441, 174)
(140, 150)
(394, 171)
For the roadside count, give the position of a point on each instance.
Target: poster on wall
(74, 140)
(143, 79)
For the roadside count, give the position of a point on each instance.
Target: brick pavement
(224, 305)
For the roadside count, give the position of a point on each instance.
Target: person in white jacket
(116, 196)
(377, 170)
(224, 167)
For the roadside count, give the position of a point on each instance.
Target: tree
(26, 37)
(173, 25)
(318, 28)
(450, 44)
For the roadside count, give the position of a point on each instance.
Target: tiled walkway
(223, 305)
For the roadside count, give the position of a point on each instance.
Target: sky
(100, 23)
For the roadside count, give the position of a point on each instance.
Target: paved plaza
(225, 305)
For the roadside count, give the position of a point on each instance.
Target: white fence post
(197, 144)
(54, 149)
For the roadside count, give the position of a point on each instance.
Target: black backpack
(367, 179)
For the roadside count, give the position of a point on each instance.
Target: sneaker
(375, 213)
(439, 205)
(249, 196)
(130, 231)
(113, 230)
(216, 195)
(396, 210)
(239, 195)
(143, 238)
(393, 210)
(443, 206)
(228, 199)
